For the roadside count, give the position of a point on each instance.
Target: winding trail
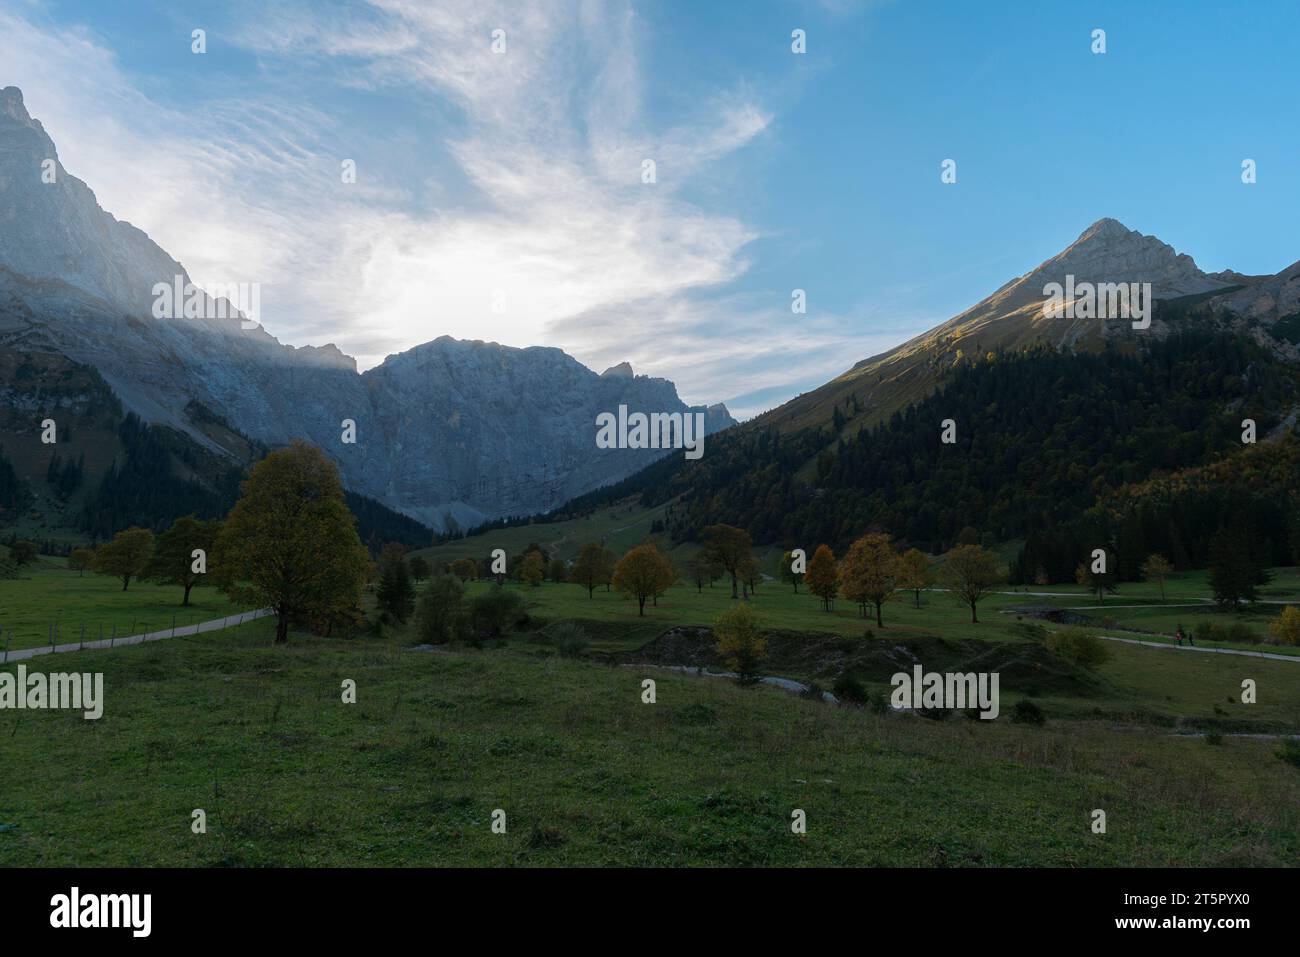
(216, 624)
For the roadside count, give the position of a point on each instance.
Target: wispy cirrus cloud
(531, 225)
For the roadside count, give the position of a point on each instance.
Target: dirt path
(217, 624)
(1215, 651)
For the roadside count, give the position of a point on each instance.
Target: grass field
(49, 594)
(259, 738)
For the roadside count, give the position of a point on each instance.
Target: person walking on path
(1179, 635)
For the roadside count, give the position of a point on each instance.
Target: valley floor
(259, 738)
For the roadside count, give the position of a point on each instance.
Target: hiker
(1179, 635)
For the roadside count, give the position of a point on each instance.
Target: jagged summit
(11, 105)
(1108, 251)
(622, 370)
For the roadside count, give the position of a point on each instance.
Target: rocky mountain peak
(1108, 251)
(11, 105)
(621, 371)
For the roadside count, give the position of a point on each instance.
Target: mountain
(1013, 317)
(1053, 418)
(450, 432)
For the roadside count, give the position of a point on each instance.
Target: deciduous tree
(643, 573)
(788, 574)
(1156, 569)
(174, 561)
(79, 559)
(290, 542)
(915, 572)
(823, 581)
(869, 573)
(728, 547)
(970, 572)
(126, 556)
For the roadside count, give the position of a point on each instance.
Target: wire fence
(78, 636)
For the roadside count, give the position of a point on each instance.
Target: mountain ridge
(521, 425)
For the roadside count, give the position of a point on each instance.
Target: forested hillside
(1041, 436)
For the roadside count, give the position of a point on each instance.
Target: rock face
(449, 430)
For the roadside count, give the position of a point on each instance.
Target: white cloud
(549, 137)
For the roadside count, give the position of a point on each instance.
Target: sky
(500, 194)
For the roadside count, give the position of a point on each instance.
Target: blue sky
(499, 196)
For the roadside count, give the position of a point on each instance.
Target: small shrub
(850, 689)
(1076, 645)
(1208, 631)
(1242, 633)
(1290, 753)
(496, 610)
(1214, 738)
(570, 638)
(439, 614)
(814, 692)
(879, 703)
(1027, 712)
(868, 634)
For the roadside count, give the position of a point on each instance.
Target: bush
(1208, 631)
(814, 692)
(1242, 633)
(850, 689)
(1076, 645)
(740, 643)
(1290, 753)
(439, 614)
(495, 611)
(1214, 738)
(1027, 712)
(1285, 628)
(570, 638)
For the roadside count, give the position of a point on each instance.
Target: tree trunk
(641, 609)
(187, 595)
(973, 619)
(126, 580)
(733, 585)
(879, 623)
(282, 629)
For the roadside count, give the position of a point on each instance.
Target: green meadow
(48, 595)
(259, 738)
